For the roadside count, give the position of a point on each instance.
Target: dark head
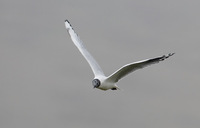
(96, 83)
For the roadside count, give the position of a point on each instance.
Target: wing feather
(79, 44)
(126, 69)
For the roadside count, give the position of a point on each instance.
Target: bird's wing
(79, 44)
(126, 69)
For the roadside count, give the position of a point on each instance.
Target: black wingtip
(166, 56)
(170, 54)
(67, 20)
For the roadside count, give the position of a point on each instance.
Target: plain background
(46, 83)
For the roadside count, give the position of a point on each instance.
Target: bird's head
(96, 83)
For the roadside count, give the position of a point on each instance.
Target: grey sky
(46, 83)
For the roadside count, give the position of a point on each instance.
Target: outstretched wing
(126, 69)
(79, 44)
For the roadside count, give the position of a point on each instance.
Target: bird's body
(101, 81)
(105, 83)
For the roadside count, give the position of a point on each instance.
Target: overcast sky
(46, 83)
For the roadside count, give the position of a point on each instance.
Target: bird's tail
(118, 88)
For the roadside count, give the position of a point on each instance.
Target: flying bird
(101, 81)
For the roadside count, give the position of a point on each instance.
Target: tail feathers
(115, 88)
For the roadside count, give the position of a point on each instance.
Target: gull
(101, 81)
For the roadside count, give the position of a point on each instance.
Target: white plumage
(100, 81)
